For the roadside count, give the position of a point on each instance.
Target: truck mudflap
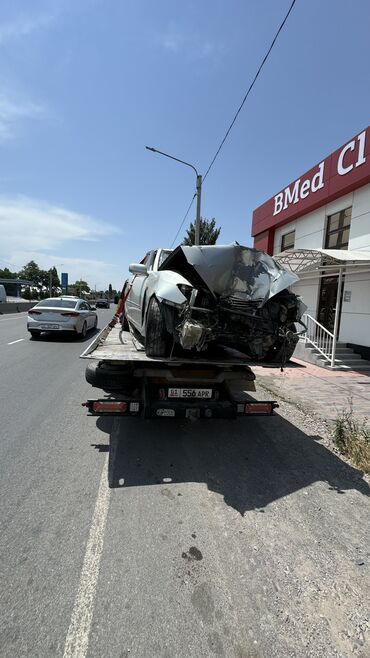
(175, 408)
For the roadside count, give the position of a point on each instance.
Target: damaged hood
(231, 271)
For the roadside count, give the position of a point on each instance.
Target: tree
(80, 286)
(32, 272)
(110, 291)
(208, 233)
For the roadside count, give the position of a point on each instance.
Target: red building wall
(346, 169)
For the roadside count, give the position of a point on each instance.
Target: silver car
(61, 314)
(201, 296)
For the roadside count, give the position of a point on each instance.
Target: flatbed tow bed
(204, 385)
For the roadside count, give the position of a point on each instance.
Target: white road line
(16, 341)
(77, 640)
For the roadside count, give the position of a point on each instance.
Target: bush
(352, 438)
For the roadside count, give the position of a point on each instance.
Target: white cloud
(23, 25)
(36, 230)
(12, 111)
(194, 46)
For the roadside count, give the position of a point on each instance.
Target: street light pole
(197, 218)
(198, 189)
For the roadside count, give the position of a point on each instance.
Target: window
(287, 241)
(163, 255)
(337, 230)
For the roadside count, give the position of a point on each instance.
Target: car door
(91, 316)
(133, 305)
(84, 311)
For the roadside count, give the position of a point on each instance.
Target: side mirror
(138, 268)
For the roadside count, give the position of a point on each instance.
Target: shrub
(352, 438)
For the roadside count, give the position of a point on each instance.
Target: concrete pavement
(320, 390)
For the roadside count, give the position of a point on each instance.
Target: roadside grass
(352, 438)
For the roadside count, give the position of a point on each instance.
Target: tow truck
(207, 385)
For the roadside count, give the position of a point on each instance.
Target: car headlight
(186, 290)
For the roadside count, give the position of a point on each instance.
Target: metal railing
(322, 339)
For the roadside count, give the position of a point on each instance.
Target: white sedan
(61, 314)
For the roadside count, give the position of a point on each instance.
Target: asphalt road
(245, 539)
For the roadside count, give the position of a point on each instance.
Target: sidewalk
(322, 391)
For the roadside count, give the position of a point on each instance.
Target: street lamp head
(150, 148)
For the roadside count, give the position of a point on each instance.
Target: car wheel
(83, 331)
(35, 334)
(110, 378)
(282, 351)
(157, 339)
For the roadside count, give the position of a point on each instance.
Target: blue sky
(85, 85)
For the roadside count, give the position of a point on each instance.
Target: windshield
(163, 255)
(58, 303)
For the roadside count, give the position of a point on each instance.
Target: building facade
(327, 208)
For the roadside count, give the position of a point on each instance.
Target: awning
(310, 260)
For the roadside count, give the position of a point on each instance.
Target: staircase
(345, 358)
(317, 345)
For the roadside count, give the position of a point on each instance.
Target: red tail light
(34, 312)
(109, 405)
(71, 314)
(258, 408)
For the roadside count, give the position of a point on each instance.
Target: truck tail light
(259, 408)
(109, 405)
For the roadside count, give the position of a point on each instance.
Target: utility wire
(249, 90)
(237, 112)
(182, 223)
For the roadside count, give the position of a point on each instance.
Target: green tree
(208, 232)
(32, 272)
(110, 291)
(80, 287)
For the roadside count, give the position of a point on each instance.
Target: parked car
(200, 296)
(61, 314)
(2, 293)
(102, 303)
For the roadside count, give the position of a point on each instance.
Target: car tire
(281, 351)
(83, 331)
(157, 339)
(125, 324)
(35, 335)
(109, 378)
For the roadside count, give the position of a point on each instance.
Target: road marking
(77, 640)
(16, 341)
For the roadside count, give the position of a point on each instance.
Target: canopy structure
(302, 261)
(319, 263)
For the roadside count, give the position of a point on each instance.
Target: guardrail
(15, 307)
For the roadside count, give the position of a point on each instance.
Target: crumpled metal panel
(231, 271)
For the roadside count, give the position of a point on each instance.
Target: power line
(182, 223)
(249, 90)
(238, 112)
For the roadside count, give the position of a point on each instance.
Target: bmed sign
(341, 172)
(303, 189)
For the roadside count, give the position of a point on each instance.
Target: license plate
(190, 393)
(49, 326)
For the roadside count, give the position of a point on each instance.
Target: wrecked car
(202, 296)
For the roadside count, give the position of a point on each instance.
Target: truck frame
(203, 385)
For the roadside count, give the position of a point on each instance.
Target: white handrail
(322, 339)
